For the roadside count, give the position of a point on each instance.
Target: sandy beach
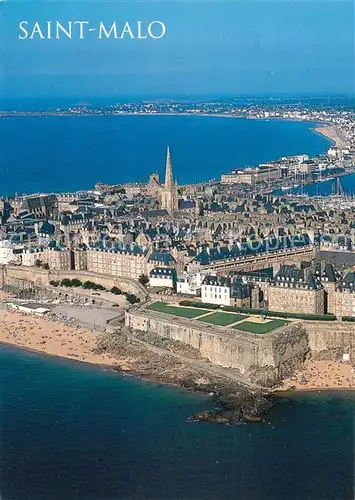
(43, 334)
(47, 336)
(331, 133)
(322, 375)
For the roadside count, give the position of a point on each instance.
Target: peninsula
(224, 287)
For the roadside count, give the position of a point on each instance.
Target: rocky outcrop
(234, 402)
(238, 406)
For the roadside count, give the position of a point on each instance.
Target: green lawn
(177, 311)
(222, 319)
(250, 327)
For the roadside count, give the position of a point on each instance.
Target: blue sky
(210, 48)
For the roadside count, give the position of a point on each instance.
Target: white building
(189, 283)
(216, 290)
(246, 176)
(163, 277)
(333, 152)
(9, 252)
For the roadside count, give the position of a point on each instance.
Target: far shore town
(245, 278)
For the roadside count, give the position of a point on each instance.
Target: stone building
(169, 194)
(59, 259)
(128, 262)
(240, 295)
(329, 278)
(296, 291)
(344, 297)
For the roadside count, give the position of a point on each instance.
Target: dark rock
(219, 416)
(255, 409)
(239, 406)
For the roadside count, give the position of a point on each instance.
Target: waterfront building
(56, 258)
(252, 176)
(125, 261)
(296, 290)
(246, 176)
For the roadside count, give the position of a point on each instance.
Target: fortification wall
(16, 275)
(262, 359)
(329, 340)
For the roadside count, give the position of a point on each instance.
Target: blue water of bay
(72, 431)
(63, 153)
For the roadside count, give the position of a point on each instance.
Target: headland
(222, 287)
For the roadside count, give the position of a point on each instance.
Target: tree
(46, 265)
(143, 279)
(54, 283)
(38, 263)
(131, 298)
(116, 290)
(75, 282)
(66, 282)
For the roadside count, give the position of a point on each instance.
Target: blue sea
(63, 153)
(71, 431)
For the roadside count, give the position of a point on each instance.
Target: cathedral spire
(169, 179)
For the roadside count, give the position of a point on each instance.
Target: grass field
(250, 327)
(176, 311)
(222, 319)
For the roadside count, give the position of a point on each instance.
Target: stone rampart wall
(331, 339)
(260, 359)
(16, 275)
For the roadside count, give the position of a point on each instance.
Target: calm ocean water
(71, 431)
(66, 153)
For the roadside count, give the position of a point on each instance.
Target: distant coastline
(330, 132)
(230, 150)
(325, 129)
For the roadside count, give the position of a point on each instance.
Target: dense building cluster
(212, 241)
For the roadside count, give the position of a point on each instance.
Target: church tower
(169, 193)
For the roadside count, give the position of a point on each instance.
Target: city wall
(329, 340)
(24, 277)
(262, 359)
